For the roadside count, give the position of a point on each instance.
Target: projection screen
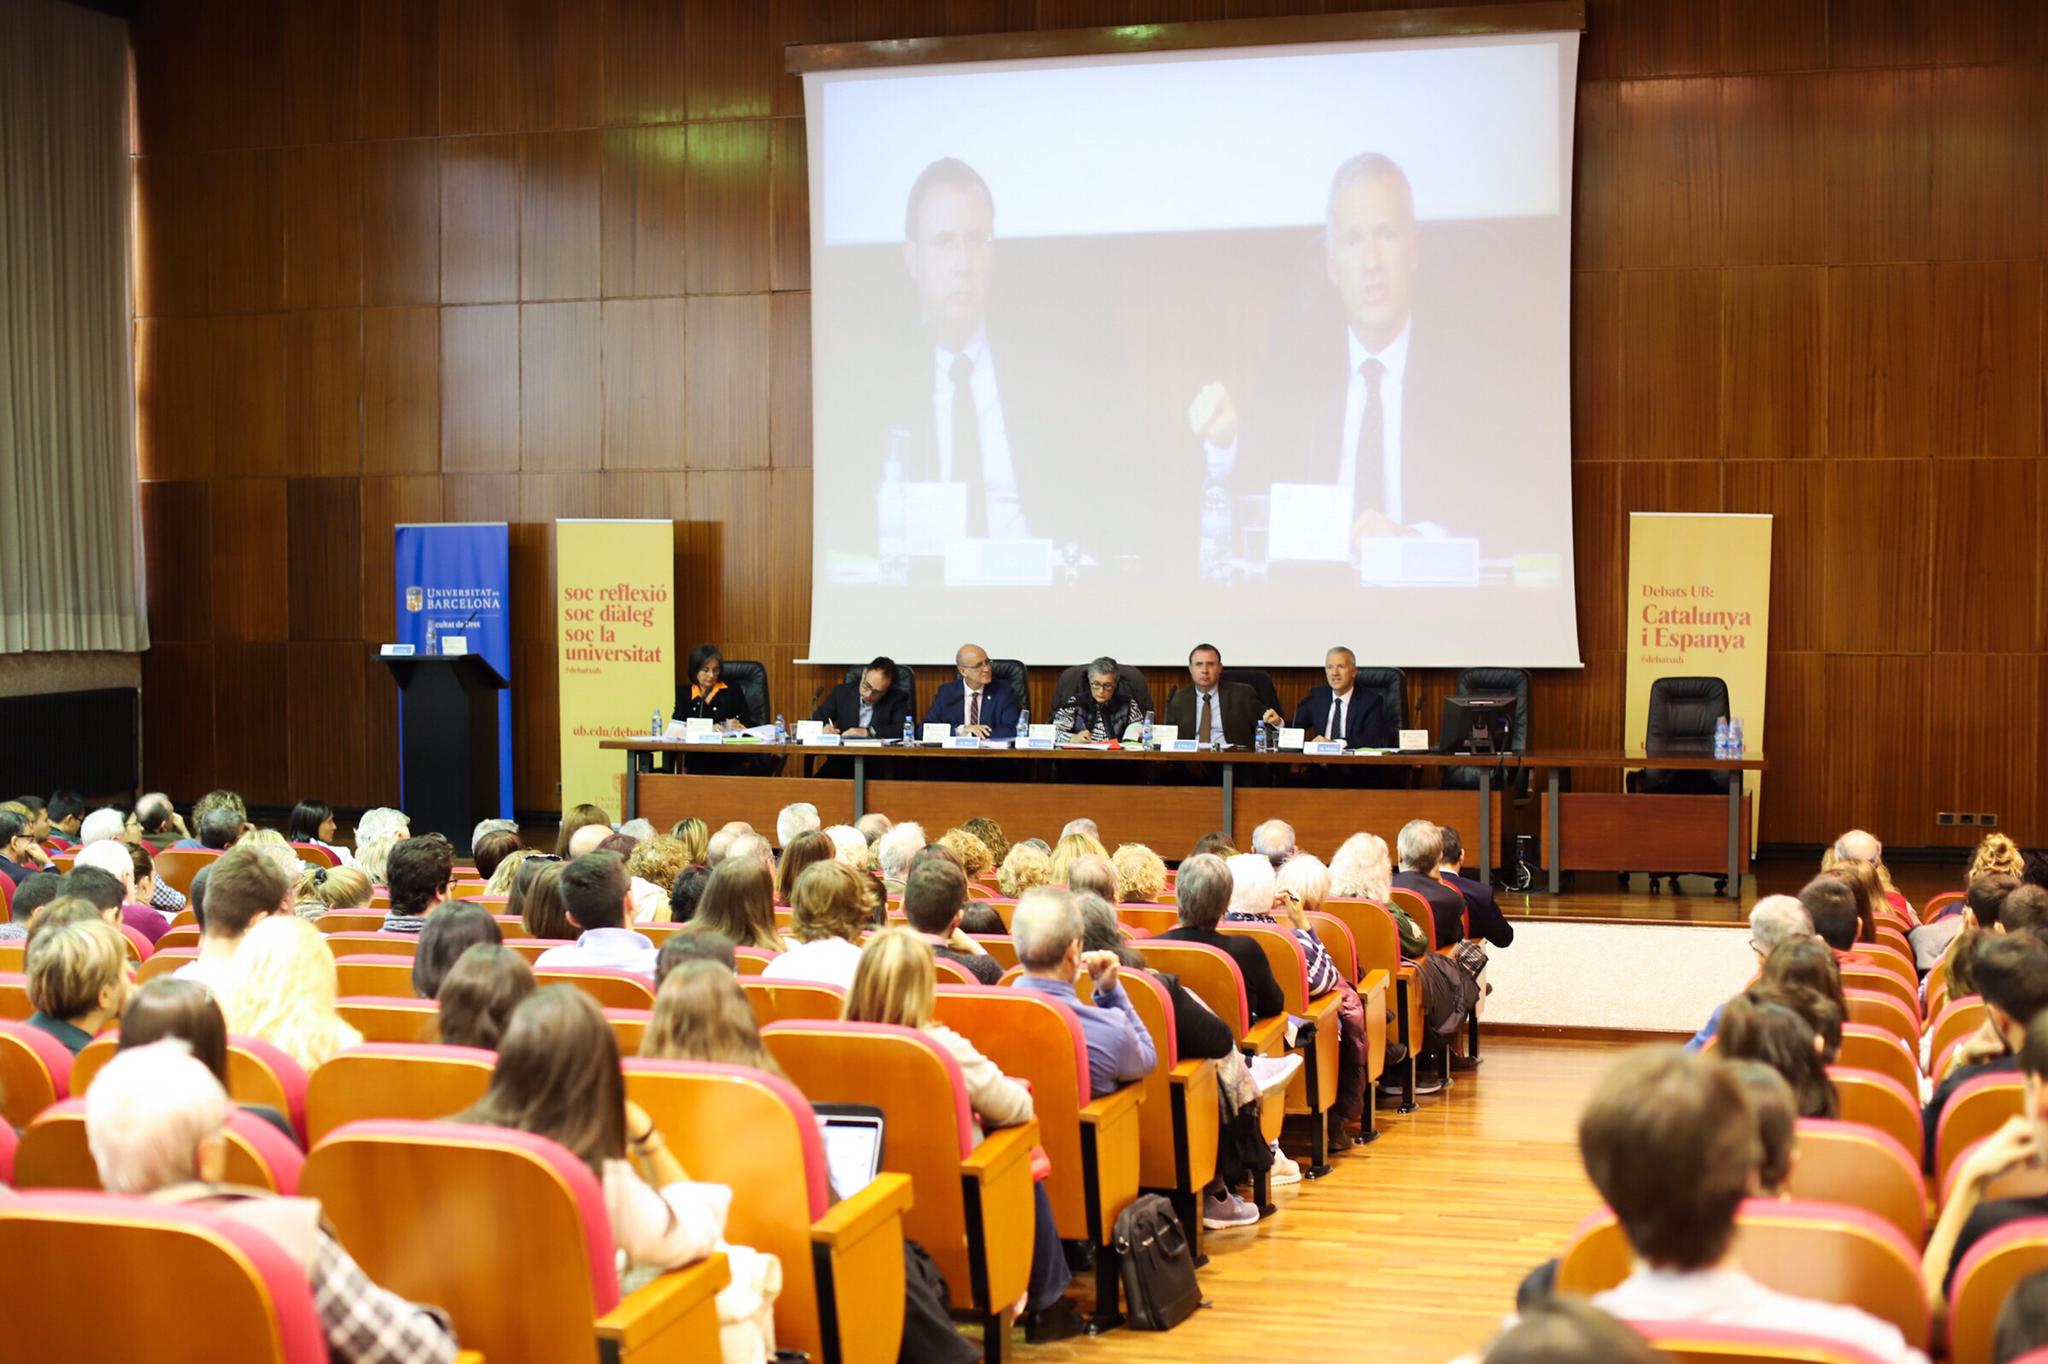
(1265, 346)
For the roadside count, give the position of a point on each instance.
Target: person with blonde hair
(849, 846)
(330, 888)
(1361, 870)
(281, 988)
(1996, 852)
(701, 1014)
(1140, 874)
(972, 852)
(373, 856)
(992, 838)
(830, 909)
(507, 871)
(695, 836)
(77, 980)
(577, 818)
(1860, 845)
(273, 845)
(1024, 866)
(739, 901)
(1071, 848)
(1996, 855)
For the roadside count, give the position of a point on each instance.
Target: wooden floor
(1411, 1248)
(1597, 896)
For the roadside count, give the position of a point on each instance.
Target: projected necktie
(1369, 469)
(967, 446)
(1202, 720)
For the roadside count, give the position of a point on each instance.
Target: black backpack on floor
(1156, 1264)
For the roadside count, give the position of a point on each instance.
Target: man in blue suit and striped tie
(974, 702)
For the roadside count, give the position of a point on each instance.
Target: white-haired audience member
(849, 846)
(383, 822)
(752, 845)
(1772, 920)
(719, 847)
(114, 859)
(1047, 932)
(794, 821)
(640, 830)
(1361, 870)
(154, 1120)
(1084, 827)
(873, 825)
(373, 857)
(1274, 841)
(893, 853)
(484, 829)
(105, 822)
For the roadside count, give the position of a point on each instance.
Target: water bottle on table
(1259, 737)
(655, 728)
(1735, 737)
(1145, 734)
(1721, 733)
(1023, 723)
(909, 734)
(781, 730)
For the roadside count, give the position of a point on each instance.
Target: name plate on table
(1323, 747)
(959, 740)
(937, 734)
(1413, 740)
(397, 651)
(1163, 736)
(673, 733)
(822, 740)
(1182, 746)
(699, 724)
(807, 730)
(1291, 739)
(704, 736)
(1036, 740)
(454, 646)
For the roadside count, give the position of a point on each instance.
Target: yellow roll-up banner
(615, 635)
(1699, 605)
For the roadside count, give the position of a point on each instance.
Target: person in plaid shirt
(153, 1119)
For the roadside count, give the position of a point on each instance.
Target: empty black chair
(1391, 686)
(1261, 683)
(1509, 682)
(1012, 671)
(1683, 713)
(1075, 679)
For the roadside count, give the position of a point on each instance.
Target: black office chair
(749, 679)
(1512, 683)
(1683, 713)
(1012, 671)
(1261, 683)
(1074, 681)
(1391, 686)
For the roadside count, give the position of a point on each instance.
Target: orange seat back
(1147, 917)
(1373, 934)
(173, 937)
(1336, 939)
(350, 921)
(389, 1019)
(1957, 1020)
(1985, 1280)
(1931, 911)
(793, 1001)
(395, 1080)
(1038, 1040)
(175, 867)
(13, 957)
(929, 1126)
(780, 1164)
(629, 1026)
(1703, 1343)
(90, 1058)
(488, 1224)
(1882, 1103)
(374, 975)
(1865, 1047)
(751, 961)
(14, 1003)
(1210, 974)
(1001, 946)
(165, 961)
(1884, 981)
(1976, 1109)
(346, 943)
(35, 1072)
(54, 1153)
(1884, 1011)
(1169, 1158)
(1415, 907)
(1847, 1162)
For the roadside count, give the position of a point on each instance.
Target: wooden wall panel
(411, 260)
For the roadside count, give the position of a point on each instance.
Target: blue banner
(457, 580)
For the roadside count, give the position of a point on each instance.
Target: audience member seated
(1860, 846)
(2025, 911)
(594, 891)
(972, 852)
(324, 889)
(656, 863)
(1861, 878)
(805, 850)
(1568, 1330)
(979, 919)
(1996, 854)
(720, 843)
(694, 943)
(153, 1119)
(1983, 917)
(222, 827)
(701, 1013)
(873, 825)
(477, 996)
(576, 819)
(1140, 874)
(312, 821)
(1670, 1141)
(1071, 848)
(281, 988)
(103, 823)
(244, 889)
(752, 846)
(77, 979)
(896, 984)
(1773, 1026)
(2012, 977)
(1093, 874)
(380, 821)
(488, 853)
(558, 1076)
(1773, 919)
(105, 874)
(537, 899)
(739, 901)
(1047, 928)
(371, 856)
(19, 853)
(1801, 966)
(64, 813)
(454, 928)
(1966, 1218)
(1203, 892)
(501, 879)
(933, 900)
(1421, 846)
(592, 838)
(1831, 904)
(1023, 867)
(893, 854)
(38, 890)
(1777, 1124)
(2022, 1326)
(687, 892)
(1483, 912)
(1306, 880)
(1361, 869)
(795, 820)
(993, 840)
(187, 1010)
(159, 821)
(694, 835)
(220, 800)
(829, 911)
(149, 890)
(417, 872)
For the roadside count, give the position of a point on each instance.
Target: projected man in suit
(1367, 401)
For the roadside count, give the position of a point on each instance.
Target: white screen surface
(1266, 346)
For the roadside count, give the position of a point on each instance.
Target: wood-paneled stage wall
(518, 259)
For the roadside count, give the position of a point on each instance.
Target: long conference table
(1168, 800)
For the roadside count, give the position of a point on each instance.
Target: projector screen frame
(1454, 21)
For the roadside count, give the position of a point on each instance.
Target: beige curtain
(70, 522)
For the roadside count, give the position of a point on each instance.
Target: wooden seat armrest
(676, 1310)
(855, 1217)
(1268, 1038)
(469, 1357)
(999, 1150)
(1371, 982)
(1114, 1105)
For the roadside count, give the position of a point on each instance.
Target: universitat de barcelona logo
(415, 599)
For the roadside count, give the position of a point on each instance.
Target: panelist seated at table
(1107, 710)
(1338, 710)
(710, 697)
(870, 705)
(975, 702)
(1212, 711)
